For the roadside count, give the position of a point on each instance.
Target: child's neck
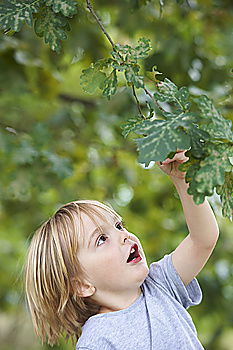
(112, 308)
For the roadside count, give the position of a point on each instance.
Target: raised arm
(193, 252)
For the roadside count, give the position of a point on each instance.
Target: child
(87, 277)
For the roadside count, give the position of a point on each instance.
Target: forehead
(96, 218)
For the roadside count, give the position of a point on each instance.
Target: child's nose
(124, 237)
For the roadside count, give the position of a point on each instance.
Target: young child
(87, 277)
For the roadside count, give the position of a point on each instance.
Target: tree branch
(70, 99)
(152, 97)
(138, 103)
(89, 6)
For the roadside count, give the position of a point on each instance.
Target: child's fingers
(159, 163)
(179, 157)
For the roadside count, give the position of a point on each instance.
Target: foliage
(58, 143)
(50, 18)
(124, 58)
(201, 129)
(180, 128)
(15, 13)
(207, 134)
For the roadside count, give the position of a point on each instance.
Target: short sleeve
(95, 341)
(164, 274)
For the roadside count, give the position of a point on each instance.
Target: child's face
(104, 257)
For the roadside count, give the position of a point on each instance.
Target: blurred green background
(58, 144)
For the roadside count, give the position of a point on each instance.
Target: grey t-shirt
(156, 320)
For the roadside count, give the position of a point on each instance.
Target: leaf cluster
(175, 121)
(182, 122)
(50, 18)
(124, 58)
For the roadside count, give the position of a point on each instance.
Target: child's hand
(170, 166)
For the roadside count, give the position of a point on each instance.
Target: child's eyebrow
(94, 233)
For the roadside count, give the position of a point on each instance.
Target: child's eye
(102, 237)
(119, 226)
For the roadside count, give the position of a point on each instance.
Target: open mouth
(134, 255)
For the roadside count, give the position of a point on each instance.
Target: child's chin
(143, 273)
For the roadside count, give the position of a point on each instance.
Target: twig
(71, 99)
(138, 103)
(89, 6)
(152, 97)
(148, 93)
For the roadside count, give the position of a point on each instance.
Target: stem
(98, 20)
(148, 93)
(138, 103)
(89, 6)
(152, 97)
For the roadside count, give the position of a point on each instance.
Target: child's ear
(86, 290)
(83, 289)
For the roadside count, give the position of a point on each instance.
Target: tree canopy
(79, 119)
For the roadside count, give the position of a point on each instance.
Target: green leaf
(152, 75)
(109, 85)
(131, 75)
(183, 96)
(169, 92)
(52, 27)
(210, 171)
(125, 59)
(217, 126)
(92, 78)
(133, 54)
(193, 190)
(67, 7)
(15, 13)
(142, 50)
(162, 138)
(168, 88)
(213, 168)
(190, 167)
(131, 125)
(226, 194)
(103, 63)
(198, 138)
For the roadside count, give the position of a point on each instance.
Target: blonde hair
(51, 268)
